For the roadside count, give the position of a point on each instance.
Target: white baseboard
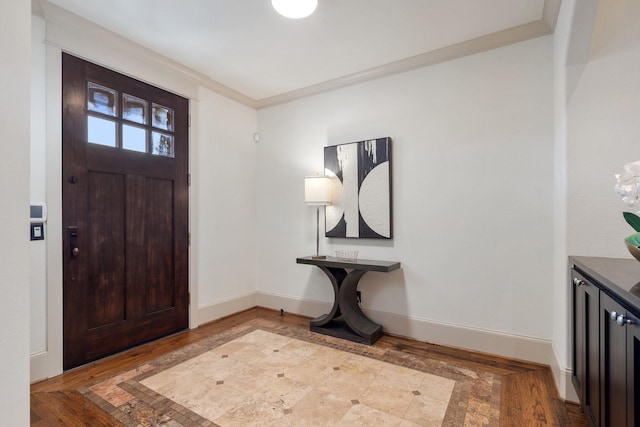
(39, 363)
(226, 307)
(475, 339)
(564, 383)
(482, 340)
(567, 390)
(39, 368)
(303, 307)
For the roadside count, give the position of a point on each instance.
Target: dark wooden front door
(125, 211)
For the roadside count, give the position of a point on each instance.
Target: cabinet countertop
(620, 275)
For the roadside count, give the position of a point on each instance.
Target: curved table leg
(336, 276)
(346, 319)
(351, 312)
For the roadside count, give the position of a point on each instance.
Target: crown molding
(581, 35)
(470, 47)
(36, 8)
(72, 23)
(550, 13)
(542, 27)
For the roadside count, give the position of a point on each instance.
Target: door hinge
(189, 121)
(188, 180)
(189, 298)
(189, 239)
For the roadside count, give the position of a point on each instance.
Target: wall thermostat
(38, 212)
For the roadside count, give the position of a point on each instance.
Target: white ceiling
(247, 48)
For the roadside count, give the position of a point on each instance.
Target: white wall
(14, 187)
(572, 42)
(472, 193)
(226, 196)
(38, 193)
(560, 292)
(604, 131)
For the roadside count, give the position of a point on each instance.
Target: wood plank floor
(529, 396)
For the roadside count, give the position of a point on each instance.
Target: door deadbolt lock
(73, 241)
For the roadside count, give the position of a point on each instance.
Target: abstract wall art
(360, 189)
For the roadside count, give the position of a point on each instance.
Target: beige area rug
(265, 373)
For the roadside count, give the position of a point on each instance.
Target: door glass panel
(101, 99)
(134, 109)
(101, 131)
(162, 144)
(134, 138)
(162, 117)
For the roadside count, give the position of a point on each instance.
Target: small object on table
(344, 255)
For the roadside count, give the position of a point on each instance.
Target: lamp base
(318, 257)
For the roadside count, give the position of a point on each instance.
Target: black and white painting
(360, 189)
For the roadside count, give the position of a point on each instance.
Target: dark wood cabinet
(613, 364)
(586, 345)
(606, 339)
(633, 370)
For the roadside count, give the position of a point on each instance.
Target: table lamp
(317, 192)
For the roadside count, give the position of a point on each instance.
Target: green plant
(633, 220)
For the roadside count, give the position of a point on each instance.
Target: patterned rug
(264, 373)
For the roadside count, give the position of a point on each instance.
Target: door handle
(73, 241)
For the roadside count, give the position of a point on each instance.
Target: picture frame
(360, 175)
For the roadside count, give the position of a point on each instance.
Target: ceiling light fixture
(294, 8)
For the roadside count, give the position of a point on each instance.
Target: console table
(346, 319)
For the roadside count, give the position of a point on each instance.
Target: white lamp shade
(317, 190)
(294, 8)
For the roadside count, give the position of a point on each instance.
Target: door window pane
(141, 125)
(134, 109)
(101, 99)
(101, 131)
(162, 117)
(162, 144)
(134, 138)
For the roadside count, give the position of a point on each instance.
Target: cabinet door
(613, 364)
(586, 341)
(633, 371)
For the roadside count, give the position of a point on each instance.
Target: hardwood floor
(528, 398)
